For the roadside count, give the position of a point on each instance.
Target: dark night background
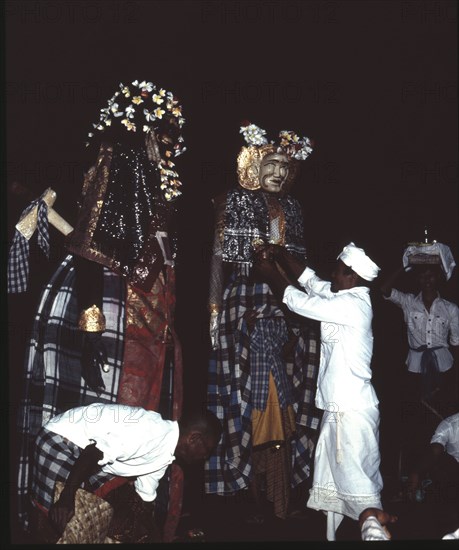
(373, 83)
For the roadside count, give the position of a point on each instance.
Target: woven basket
(422, 259)
(91, 521)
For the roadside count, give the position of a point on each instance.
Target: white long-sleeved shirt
(437, 327)
(344, 379)
(135, 442)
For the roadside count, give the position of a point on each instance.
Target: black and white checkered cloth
(18, 260)
(52, 379)
(235, 384)
(54, 458)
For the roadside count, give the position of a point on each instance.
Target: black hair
(360, 280)
(203, 421)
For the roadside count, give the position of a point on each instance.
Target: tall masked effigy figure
(264, 360)
(104, 329)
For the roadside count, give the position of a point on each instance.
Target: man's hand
(274, 252)
(292, 265)
(264, 269)
(62, 511)
(267, 270)
(93, 359)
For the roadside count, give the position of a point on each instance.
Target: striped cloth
(52, 379)
(238, 378)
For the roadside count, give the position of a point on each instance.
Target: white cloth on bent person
(135, 442)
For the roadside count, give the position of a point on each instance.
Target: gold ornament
(91, 320)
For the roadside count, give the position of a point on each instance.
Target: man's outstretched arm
(62, 511)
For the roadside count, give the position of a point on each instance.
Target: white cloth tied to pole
(18, 260)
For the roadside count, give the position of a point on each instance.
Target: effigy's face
(273, 173)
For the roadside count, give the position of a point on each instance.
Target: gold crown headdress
(295, 147)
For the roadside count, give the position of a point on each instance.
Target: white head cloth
(433, 249)
(358, 261)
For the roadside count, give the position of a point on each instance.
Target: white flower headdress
(289, 142)
(142, 106)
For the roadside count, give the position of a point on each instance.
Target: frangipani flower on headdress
(129, 125)
(144, 85)
(253, 135)
(159, 112)
(296, 147)
(150, 117)
(157, 99)
(130, 110)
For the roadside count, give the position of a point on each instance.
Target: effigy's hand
(213, 328)
(250, 317)
(94, 359)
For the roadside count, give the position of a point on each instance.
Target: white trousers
(346, 466)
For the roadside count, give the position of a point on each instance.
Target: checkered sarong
(55, 456)
(233, 390)
(52, 379)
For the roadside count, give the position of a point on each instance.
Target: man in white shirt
(94, 443)
(432, 324)
(346, 468)
(430, 381)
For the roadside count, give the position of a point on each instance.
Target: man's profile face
(341, 278)
(195, 448)
(273, 173)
